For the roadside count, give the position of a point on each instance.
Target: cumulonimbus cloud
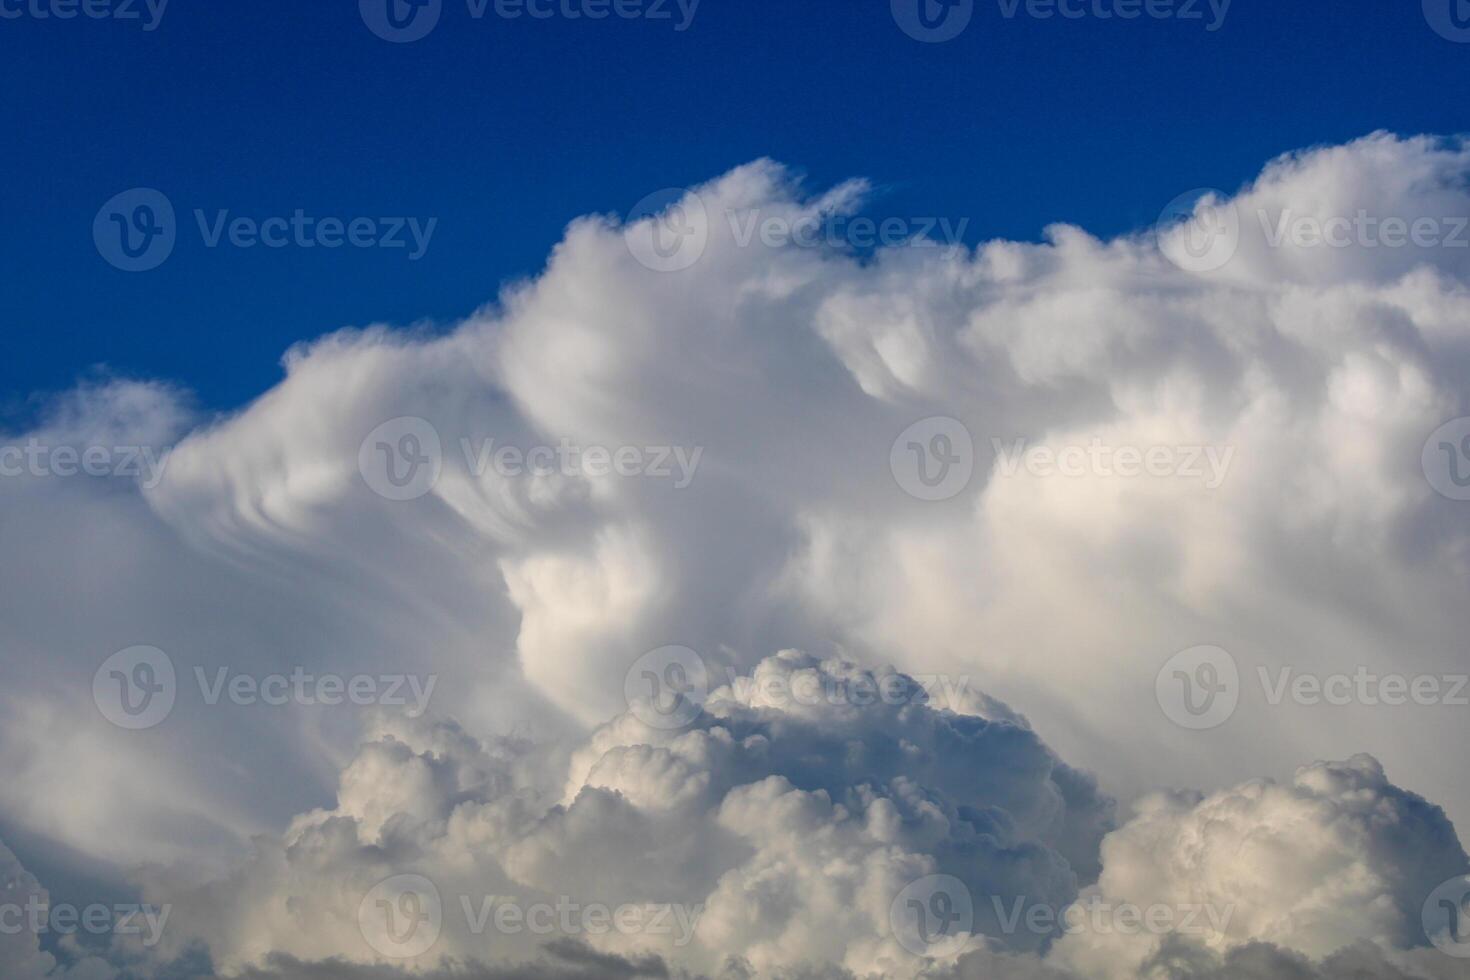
(1290, 522)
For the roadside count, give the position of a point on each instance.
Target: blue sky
(1185, 490)
(504, 130)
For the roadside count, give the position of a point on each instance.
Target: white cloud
(261, 548)
(1338, 856)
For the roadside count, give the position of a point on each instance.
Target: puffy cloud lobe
(786, 831)
(1337, 857)
(845, 799)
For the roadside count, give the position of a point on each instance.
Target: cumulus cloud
(780, 834)
(781, 839)
(25, 902)
(1337, 857)
(1303, 379)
